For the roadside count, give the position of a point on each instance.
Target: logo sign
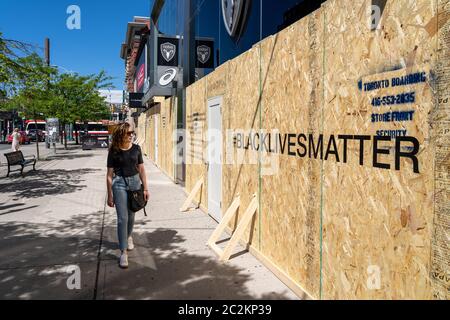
(140, 77)
(234, 15)
(203, 54)
(168, 76)
(168, 51)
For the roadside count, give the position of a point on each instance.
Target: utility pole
(47, 51)
(47, 62)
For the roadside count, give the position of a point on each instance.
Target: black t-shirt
(127, 161)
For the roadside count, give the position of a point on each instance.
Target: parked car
(24, 139)
(33, 133)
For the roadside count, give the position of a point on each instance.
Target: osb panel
(150, 136)
(291, 64)
(440, 255)
(196, 126)
(146, 134)
(216, 82)
(240, 112)
(140, 131)
(376, 222)
(166, 143)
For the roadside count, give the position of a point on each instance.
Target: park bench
(17, 159)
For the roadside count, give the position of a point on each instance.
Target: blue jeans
(125, 217)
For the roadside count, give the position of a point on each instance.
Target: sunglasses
(130, 133)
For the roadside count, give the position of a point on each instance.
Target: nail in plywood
(223, 225)
(192, 195)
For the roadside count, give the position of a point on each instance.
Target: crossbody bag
(136, 198)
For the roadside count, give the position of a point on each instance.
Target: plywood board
(195, 190)
(440, 251)
(342, 226)
(166, 135)
(376, 222)
(229, 214)
(196, 126)
(240, 170)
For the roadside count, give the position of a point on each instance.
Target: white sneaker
(130, 244)
(124, 260)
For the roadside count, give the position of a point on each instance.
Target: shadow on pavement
(10, 206)
(17, 210)
(35, 258)
(37, 184)
(160, 269)
(66, 156)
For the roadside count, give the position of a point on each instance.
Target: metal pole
(189, 43)
(47, 61)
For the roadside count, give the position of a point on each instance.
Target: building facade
(334, 122)
(206, 37)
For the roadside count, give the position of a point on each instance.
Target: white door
(156, 137)
(215, 158)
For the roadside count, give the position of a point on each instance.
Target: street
(55, 220)
(4, 147)
(27, 150)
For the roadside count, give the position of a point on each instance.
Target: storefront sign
(204, 54)
(165, 76)
(168, 51)
(135, 100)
(141, 70)
(168, 76)
(140, 78)
(235, 13)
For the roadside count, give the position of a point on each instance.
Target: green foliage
(76, 98)
(32, 96)
(35, 90)
(10, 67)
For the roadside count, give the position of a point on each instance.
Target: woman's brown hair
(119, 135)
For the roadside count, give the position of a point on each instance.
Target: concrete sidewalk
(56, 218)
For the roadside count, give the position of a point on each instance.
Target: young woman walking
(125, 162)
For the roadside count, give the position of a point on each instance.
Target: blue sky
(93, 48)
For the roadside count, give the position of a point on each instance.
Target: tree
(33, 97)
(10, 65)
(34, 89)
(77, 99)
